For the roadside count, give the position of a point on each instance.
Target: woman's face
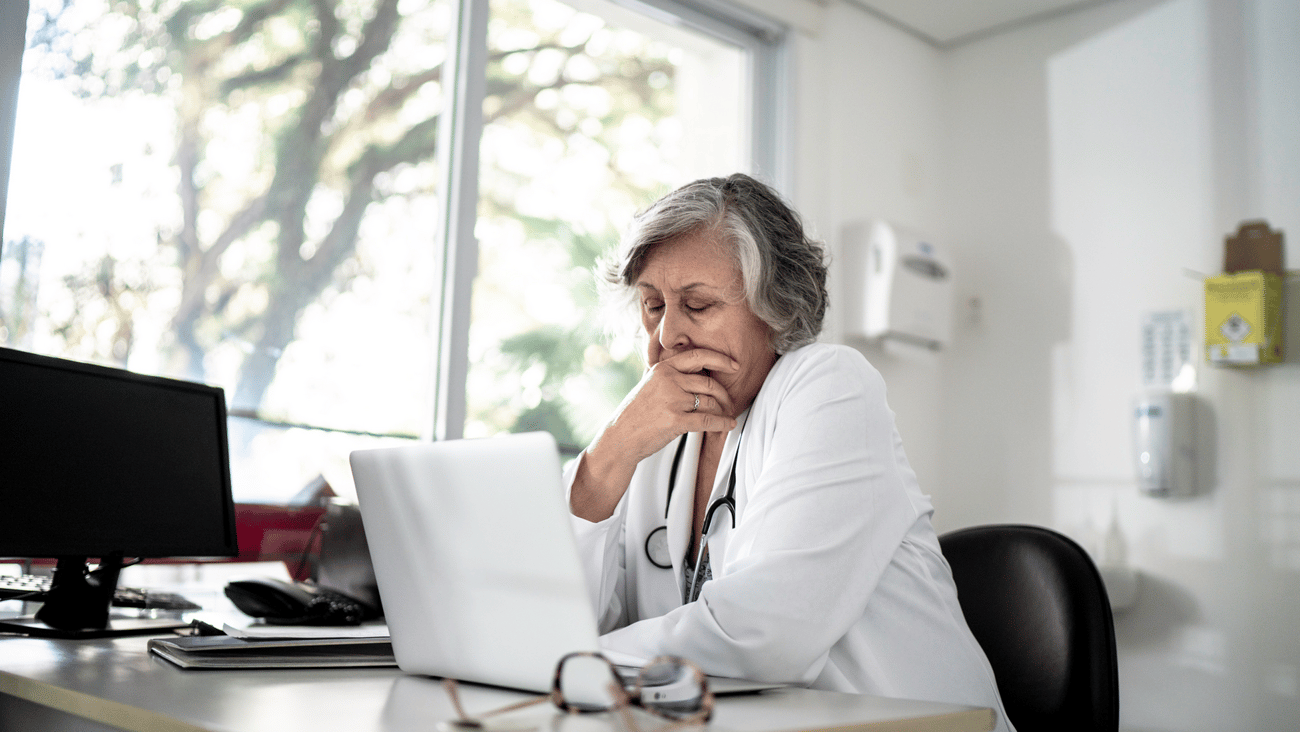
(692, 296)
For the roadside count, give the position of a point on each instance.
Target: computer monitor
(107, 464)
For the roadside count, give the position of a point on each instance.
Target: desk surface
(117, 682)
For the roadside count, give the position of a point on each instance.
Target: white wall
(869, 135)
(1094, 160)
(1077, 168)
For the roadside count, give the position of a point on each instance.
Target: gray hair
(783, 270)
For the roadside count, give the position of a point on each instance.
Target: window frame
(13, 44)
(765, 46)
(764, 42)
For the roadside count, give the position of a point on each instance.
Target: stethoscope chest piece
(656, 548)
(656, 543)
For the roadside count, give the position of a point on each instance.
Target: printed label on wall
(1167, 350)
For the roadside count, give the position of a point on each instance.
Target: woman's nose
(674, 332)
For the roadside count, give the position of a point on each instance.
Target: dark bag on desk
(345, 556)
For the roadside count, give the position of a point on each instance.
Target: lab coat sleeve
(600, 549)
(825, 514)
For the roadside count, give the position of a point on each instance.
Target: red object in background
(266, 533)
(269, 532)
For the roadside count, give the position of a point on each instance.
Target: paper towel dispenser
(907, 287)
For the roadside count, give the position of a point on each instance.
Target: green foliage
(293, 120)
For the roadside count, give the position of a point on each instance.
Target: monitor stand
(77, 603)
(115, 627)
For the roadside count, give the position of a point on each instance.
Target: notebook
(475, 558)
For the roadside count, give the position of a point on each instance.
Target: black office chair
(1036, 603)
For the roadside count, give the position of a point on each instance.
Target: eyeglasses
(668, 686)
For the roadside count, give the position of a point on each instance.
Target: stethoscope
(656, 543)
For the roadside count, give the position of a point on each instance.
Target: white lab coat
(832, 577)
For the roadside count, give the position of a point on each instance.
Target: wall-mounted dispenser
(907, 288)
(1164, 441)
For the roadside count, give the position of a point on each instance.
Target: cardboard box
(1255, 246)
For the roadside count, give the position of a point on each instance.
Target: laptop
(476, 561)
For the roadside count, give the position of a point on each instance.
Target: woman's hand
(676, 395)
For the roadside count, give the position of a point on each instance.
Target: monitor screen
(100, 460)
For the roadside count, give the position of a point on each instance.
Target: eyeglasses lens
(588, 684)
(671, 688)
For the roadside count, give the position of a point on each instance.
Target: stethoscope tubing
(657, 540)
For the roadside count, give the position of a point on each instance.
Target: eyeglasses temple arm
(451, 686)
(452, 691)
(517, 705)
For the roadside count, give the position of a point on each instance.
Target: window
(253, 194)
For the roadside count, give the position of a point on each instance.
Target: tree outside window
(246, 194)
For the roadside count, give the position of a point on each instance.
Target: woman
(823, 568)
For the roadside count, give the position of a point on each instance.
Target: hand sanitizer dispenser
(1164, 443)
(908, 288)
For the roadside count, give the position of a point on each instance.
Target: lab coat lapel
(679, 508)
(721, 528)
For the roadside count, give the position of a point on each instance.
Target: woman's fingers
(704, 420)
(694, 375)
(664, 405)
(702, 359)
(677, 395)
(712, 394)
(714, 423)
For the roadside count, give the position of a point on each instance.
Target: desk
(116, 683)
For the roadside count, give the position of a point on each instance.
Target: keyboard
(32, 588)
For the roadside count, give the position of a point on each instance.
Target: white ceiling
(952, 22)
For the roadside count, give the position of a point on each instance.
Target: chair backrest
(1036, 603)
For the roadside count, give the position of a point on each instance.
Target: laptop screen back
(475, 559)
